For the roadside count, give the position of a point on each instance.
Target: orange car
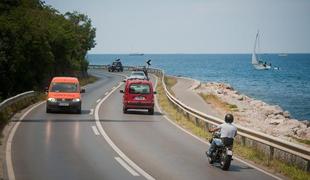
(64, 93)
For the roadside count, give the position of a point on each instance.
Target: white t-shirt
(228, 130)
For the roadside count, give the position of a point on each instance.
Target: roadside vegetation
(8, 112)
(216, 102)
(37, 42)
(245, 152)
(170, 82)
(304, 141)
(87, 80)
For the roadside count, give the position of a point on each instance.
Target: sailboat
(258, 62)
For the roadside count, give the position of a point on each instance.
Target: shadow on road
(80, 120)
(232, 168)
(135, 112)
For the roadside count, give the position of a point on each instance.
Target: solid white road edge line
(96, 132)
(110, 142)
(8, 153)
(205, 142)
(120, 160)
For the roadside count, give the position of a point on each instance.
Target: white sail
(256, 61)
(254, 56)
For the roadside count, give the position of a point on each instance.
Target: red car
(138, 94)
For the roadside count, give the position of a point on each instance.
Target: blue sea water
(288, 87)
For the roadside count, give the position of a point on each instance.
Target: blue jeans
(212, 147)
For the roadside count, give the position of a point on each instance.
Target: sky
(195, 26)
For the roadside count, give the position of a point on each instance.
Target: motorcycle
(223, 151)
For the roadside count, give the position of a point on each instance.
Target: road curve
(161, 149)
(65, 146)
(70, 146)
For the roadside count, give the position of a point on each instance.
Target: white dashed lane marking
(126, 166)
(95, 130)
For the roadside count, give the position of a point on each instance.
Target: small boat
(136, 54)
(257, 62)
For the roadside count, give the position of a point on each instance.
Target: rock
(286, 114)
(273, 110)
(306, 122)
(301, 133)
(276, 121)
(219, 91)
(279, 116)
(240, 98)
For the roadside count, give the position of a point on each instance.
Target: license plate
(229, 153)
(63, 104)
(139, 98)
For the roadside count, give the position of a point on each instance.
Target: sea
(288, 86)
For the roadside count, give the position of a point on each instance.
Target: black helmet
(229, 118)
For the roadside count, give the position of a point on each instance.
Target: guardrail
(274, 147)
(16, 98)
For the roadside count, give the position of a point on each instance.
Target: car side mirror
(121, 91)
(124, 80)
(155, 92)
(82, 90)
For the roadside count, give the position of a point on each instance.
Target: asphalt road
(71, 146)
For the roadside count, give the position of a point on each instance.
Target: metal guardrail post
(242, 140)
(197, 121)
(271, 153)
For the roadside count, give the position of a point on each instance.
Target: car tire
(48, 110)
(151, 111)
(79, 110)
(125, 110)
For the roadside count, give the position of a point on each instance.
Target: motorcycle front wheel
(210, 159)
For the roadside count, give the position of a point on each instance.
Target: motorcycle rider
(228, 132)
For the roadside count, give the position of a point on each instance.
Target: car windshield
(139, 89)
(64, 87)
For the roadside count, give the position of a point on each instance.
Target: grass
(170, 82)
(240, 150)
(216, 102)
(304, 141)
(7, 113)
(88, 80)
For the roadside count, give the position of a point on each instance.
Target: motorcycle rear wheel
(225, 162)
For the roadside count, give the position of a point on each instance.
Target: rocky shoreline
(256, 114)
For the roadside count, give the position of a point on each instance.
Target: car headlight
(76, 100)
(52, 99)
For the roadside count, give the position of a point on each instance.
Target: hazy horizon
(196, 26)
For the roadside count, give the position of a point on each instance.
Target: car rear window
(64, 87)
(139, 89)
(138, 74)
